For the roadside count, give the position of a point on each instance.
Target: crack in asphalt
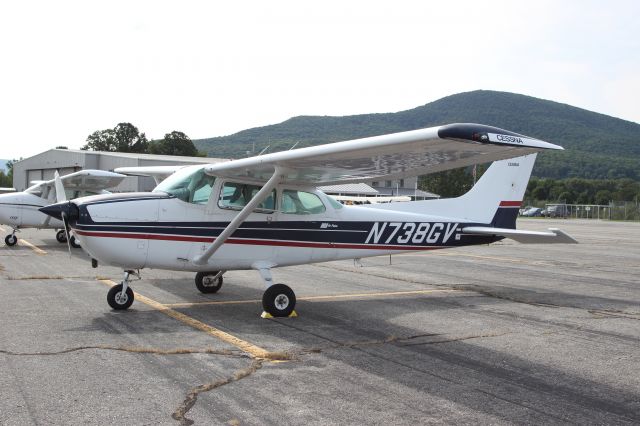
(192, 397)
(133, 349)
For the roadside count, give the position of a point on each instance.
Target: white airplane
(20, 209)
(265, 212)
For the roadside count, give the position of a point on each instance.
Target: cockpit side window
(188, 185)
(235, 195)
(301, 202)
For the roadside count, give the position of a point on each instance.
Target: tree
(174, 143)
(449, 183)
(603, 197)
(5, 181)
(125, 137)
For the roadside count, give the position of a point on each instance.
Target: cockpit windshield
(190, 184)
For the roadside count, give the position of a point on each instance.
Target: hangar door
(33, 175)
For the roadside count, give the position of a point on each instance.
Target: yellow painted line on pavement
(326, 297)
(251, 349)
(31, 246)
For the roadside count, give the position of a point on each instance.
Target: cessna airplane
(265, 212)
(20, 210)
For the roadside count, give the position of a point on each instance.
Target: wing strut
(240, 217)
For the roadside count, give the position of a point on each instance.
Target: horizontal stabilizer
(554, 235)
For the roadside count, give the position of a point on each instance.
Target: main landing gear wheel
(73, 242)
(10, 240)
(61, 236)
(279, 300)
(118, 299)
(209, 282)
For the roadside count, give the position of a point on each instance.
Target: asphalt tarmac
(500, 334)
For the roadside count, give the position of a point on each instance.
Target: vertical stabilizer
(493, 200)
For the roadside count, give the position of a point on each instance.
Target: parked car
(558, 210)
(533, 212)
(524, 209)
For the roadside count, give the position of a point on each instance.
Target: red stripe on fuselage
(250, 241)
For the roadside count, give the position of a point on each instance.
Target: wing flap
(553, 236)
(385, 157)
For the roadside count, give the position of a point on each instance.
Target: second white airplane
(20, 209)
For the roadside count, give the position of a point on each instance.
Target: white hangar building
(43, 166)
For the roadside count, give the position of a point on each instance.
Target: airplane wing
(158, 173)
(386, 157)
(554, 235)
(90, 180)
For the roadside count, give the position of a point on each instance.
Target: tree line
(453, 183)
(582, 191)
(125, 137)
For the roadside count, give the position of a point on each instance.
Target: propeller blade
(60, 194)
(66, 230)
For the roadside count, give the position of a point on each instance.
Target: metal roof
(176, 158)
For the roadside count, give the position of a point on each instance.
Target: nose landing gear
(120, 296)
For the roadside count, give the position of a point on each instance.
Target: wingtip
(487, 134)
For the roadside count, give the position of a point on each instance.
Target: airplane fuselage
(155, 230)
(20, 210)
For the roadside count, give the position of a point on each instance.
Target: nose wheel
(120, 296)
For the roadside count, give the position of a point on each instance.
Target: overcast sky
(214, 68)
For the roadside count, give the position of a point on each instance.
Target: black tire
(206, 284)
(73, 242)
(279, 300)
(10, 240)
(117, 300)
(61, 236)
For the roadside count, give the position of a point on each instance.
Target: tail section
(493, 200)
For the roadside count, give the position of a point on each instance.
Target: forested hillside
(597, 146)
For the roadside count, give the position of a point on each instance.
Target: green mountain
(596, 146)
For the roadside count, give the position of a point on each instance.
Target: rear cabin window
(236, 195)
(301, 202)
